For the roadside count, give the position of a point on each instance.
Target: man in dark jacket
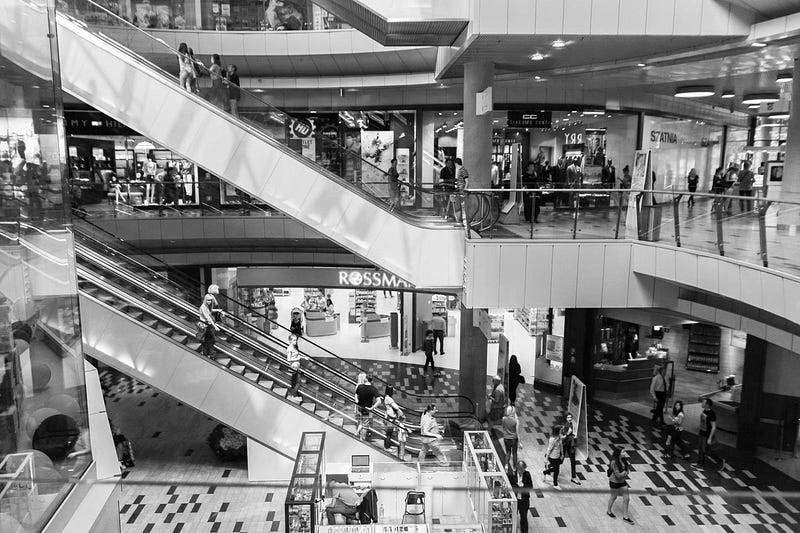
(521, 479)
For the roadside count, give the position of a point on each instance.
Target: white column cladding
(791, 172)
(477, 152)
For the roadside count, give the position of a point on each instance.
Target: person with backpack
(393, 413)
(554, 456)
(618, 473)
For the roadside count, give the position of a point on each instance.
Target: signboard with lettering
(93, 123)
(530, 119)
(350, 278)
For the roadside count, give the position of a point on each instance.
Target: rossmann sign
(355, 278)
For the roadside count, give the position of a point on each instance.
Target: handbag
(201, 330)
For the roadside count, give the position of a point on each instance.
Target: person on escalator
(293, 356)
(234, 94)
(187, 72)
(367, 398)
(207, 316)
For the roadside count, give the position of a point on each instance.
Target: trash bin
(650, 222)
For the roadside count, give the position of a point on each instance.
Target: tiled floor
(669, 495)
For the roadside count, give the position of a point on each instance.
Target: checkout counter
(376, 326)
(620, 381)
(321, 324)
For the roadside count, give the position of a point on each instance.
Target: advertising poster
(639, 176)
(595, 147)
(403, 156)
(502, 361)
(577, 408)
(377, 149)
(310, 148)
(554, 348)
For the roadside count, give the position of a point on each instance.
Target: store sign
(93, 123)
(530, 119)
(356, 278)
(573, 138)
(664, 137)
(301, 128)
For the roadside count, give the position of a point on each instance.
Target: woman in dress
(618, 474)
(186, 68)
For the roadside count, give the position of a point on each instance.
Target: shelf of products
(704, 343)
(305, 487)
(439, 305)
(314, 300)
(358, 301)
(498, 326)
(533, 319)
(489, 489)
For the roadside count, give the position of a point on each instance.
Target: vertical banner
(377, 149)
(577, 408)
(407, 333)
(641, 166)
(502, 361)
(404, 169)
(310, 148)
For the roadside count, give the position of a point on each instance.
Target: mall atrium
(410, 266)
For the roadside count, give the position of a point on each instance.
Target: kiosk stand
(490, 492)
(301, 508)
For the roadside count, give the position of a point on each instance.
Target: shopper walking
(530, 182)
(431, 433)
(294, 358)
(691, 184)
(393, 182)
(207, 317)
(521, 480)
(462, 175)
(658, 391)
(708, 436)
(618, 474)
(428, 346)
(197, 70)
(439, 326)
(675, 432)
(510, 426)
(514, 378)
(367, 398)
(216, 96)
(185, 67)
(746, 180)
(569, 442)
(497, 401)
(234, 92)
(393, 413)
(554, 456)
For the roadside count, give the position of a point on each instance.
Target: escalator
(141, 323)
(250, 152)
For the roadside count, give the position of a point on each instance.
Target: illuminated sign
(530, 119)
(359, 278)
(356, 278)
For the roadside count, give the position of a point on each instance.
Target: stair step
(308, 406)
(239, 369)
(180, 337)
(224, 361)
(323, 413)
(281, 391)
(252, 376)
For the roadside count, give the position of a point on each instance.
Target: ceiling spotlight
(758, 45)
(537, 78)
(559, 43)
(760, 98)
(537, 57)
(694, 91)
(641, 64)
(727, 94)
(784, 77)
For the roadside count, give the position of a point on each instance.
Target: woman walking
(691, 183)
(675, 430)
(618, 474)
(393, 413)
(186, 68)
(514, 379)
(554, 456)
(511, 435)
(431, 434)
(569, 442)
(207, 309)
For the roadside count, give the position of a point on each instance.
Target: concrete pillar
(472, 363)
(579, 326)
(755, 359)
(477, 154)
(791, 171)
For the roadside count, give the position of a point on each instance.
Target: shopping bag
(201, 330)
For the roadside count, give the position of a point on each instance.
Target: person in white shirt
(431, 434)
(658, 391)
(293, 357)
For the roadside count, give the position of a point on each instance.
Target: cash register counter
(321, 324)
(376, 326)
(619, 381)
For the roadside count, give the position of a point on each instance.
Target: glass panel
(312, 442)
(302, 489)
(44, 430)
(307, 463)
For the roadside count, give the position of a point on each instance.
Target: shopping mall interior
(426, 266)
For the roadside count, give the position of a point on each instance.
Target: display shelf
(704, 343)
(492, 495)
(360, 300)
(302, 511)
(497, 322)
(534, 320)
(439, 305)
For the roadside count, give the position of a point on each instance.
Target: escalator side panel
(129, 91)
(141, 353)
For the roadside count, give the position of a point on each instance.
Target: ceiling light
(754, 106)
(727, 94)
(537, 57)
(760, 98)
(594, 112)
(641, 65)
(537, 78)
(694, 91)
(758, 45)
(784, 77)
(257, 90)
(558, 43)
(780, 116)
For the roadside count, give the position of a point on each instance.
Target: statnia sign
(360, 278)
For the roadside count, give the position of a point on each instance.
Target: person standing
(691, 184)
(150, 168)
(530, 201)
(708, 435)
(234, 91)
(447, 176)
(674, 435)
(497, 401)
(393, 180)
(293, 356)
(510, 425)
(431, 434)
(554, 456)
(658, 391)
(438, 325)
(618, 474)
(746, 180)
(207, 316)
(462, 175)
(185, 68)
(217, 90)
(569, 441)
(367, 398)
(393, 413)
(428, 345)
(514, 378)
(521, 481)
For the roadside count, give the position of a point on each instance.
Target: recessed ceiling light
(754, 106)
(258, 90)
(594, 113)
(537, 57)
(784, 77)
(559, 43)
(641, 64)
(694, 91)
(780, 116)
(727, 94)
(760, 98)
(758, 45)
(537, 78)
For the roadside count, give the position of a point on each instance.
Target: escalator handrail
(172, 281)
(245, 124)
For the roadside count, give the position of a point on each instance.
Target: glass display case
(302, 511)
(490, 491)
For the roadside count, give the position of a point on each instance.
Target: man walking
(438, 325)
(707, 437)
(428, 347)
(658, 391)
(521, 480)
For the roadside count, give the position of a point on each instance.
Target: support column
(477, 154)
(472, 363)
(755, 358)
(579, 325)
(791, 171)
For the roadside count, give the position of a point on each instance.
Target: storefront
(339, 308)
